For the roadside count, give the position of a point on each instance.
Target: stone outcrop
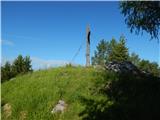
(122, 67)
(60, 107)
(7, 110)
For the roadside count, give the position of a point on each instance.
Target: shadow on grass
(129, 98)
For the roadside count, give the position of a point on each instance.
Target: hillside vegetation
(90, 94)
(32, 96)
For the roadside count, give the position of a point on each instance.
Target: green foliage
(134, 58)
(6, 72)
(142, 15)
(151, 67)
(69, 65)
(101, 54)
(119, 51)
(127, 97)
(27, 64)
(90, 94)
(20, 66)
(110, 51)
(37, 93)
(145, 65)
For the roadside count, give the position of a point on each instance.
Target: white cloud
(7, 42)
(38, 63)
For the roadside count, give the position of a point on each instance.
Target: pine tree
(134, 58)
(151, 67)
(110, 51)
(6, 72)
(18, 65)
(101, 53)
(27, 64)
(119, 51)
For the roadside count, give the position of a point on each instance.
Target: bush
(128, 97)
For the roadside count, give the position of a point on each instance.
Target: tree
(18, 65)
(142, 15)
(151, 67)
(22, 65)
(119, 51)
(134, 58)
(113, 43)
(110, 51)
(6, 72)
(27, 64)
(101, 55)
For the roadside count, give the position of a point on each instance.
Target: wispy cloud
(39, 63)
(7, 42)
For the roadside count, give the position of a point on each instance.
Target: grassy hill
(32, 96)
(90, 94)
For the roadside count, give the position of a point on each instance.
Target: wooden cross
(88, 32)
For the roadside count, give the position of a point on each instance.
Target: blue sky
(51, 32)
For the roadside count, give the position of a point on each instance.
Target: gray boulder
(60, 107)
(122, 67)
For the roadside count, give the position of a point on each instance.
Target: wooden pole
(88, 46)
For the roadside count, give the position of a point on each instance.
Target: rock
(7, 110)
(60, 107)
(126, 67)
(12, 79)
(23, 115)
(122, 67)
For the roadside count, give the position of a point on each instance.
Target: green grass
(90, 94)
(36, 93)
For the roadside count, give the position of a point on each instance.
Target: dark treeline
(20, 65)
(126, 96)
(117, 51)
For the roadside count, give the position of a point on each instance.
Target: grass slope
(32, 96)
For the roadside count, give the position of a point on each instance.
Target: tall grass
(35, 94)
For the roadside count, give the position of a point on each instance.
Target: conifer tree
(110, 51)
(134, 58)
(27, 64)
(18, 65)
(101, 53)
(119, 51)
(151, 67)
(6, 72)
(22, 65)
